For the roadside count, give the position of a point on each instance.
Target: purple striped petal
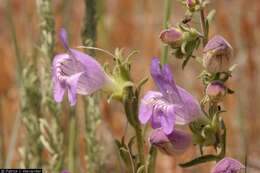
(167, 119)
(59, 86)
(72, 89)
(228, 165)
(146, 106)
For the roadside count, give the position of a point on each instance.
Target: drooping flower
(172, 36)
(172, 105)
(216, 90)
(217, 55)
(228, 165)
(174, 143)
(77, 73)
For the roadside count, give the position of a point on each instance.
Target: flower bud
(228, 165)
(174, 143)
(190, 3)
(216, 90)
(172, 36)
(217, 55)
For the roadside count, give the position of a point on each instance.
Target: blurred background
(135, 25)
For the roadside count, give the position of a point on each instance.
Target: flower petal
(180, 140)
(174, 143)
(164, 80)
(72, 89)
(94, 77)
(58, 91)
(227, 165)
(190, 109)
(146, 106)
(59, 87)
(167, 119)
(64, 38)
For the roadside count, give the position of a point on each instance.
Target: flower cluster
(168, 108)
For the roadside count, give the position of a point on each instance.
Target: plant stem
(72, 140)
(203, 26)
(140, 143)
(152, 160)
(167, 14)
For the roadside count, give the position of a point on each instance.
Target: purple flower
(228, 165)
(174, 143)
(76, 72)
(172, 105)
(65, 171)
(172, 36)
(217, 55)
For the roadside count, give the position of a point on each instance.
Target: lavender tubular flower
(76, 72)
(172, 105)
(217, 55)
(174, 143)
(228, 165)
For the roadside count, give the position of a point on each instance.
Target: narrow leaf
(199, 160)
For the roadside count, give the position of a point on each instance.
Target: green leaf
(211, 16)
(141, 169)
(130, 143)
(199, 160)
(141, 83)
(185, 62)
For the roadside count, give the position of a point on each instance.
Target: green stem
(140, 143)
(72, 141)
(167, 14)
(203, 26)
(152, 160)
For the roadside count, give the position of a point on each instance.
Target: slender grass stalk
(13, 138)
(52, 141)
(167, 14)
(92, 113)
